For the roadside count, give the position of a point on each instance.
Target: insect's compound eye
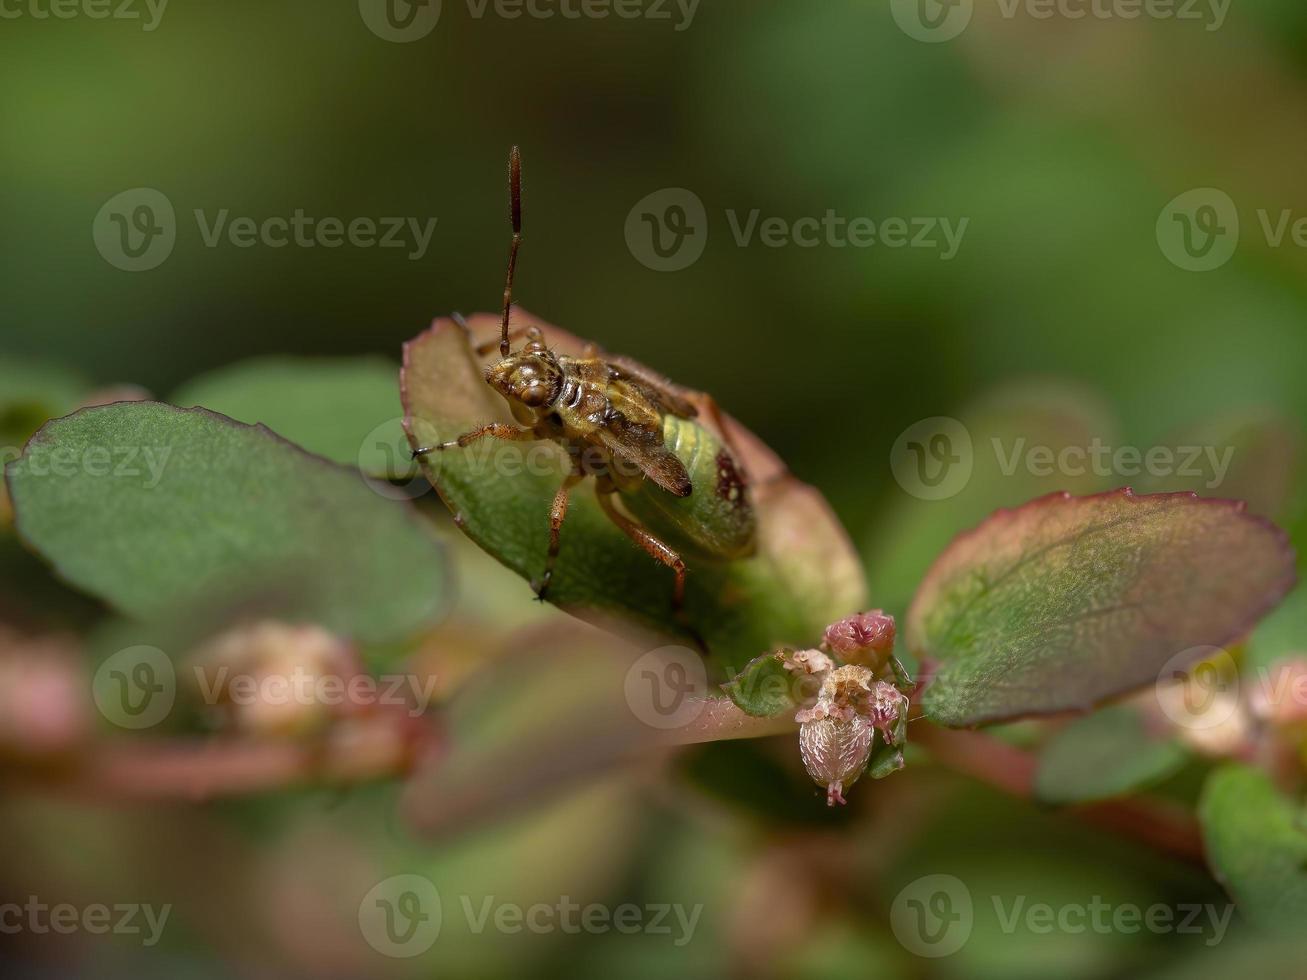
(534, 395)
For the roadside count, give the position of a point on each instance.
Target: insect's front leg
(557, 514)
(496, 430)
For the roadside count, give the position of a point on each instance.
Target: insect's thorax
(590, 400)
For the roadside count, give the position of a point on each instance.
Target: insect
(682, 489)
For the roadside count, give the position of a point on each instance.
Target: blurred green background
(1060, 141)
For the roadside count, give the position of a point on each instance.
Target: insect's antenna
(515, 211)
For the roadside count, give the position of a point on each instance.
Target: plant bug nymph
(682, 490)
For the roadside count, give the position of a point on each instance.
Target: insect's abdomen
(716, 519)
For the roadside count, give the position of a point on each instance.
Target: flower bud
(864, 638)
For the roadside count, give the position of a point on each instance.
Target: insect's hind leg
(648, 542)
(557, 514)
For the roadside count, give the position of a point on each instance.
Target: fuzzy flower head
(837, 734)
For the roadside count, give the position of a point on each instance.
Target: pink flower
(865, 632)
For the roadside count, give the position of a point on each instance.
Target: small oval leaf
(764, 688)
(1067, 601)
(154, 508)
(1108, 753)
(1256, 844)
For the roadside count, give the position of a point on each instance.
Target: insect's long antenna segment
(515, 210)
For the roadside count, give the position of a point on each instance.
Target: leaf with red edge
(1066, 601)
(804, 574)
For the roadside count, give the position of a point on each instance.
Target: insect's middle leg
(648, 541)
(496, 430)
(557, 514)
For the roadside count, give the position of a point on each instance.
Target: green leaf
(1067, 601)
(1108, 753)
(886, 759)
(153, 508)
(764, 688)
(804, 574)
(1257, 846)
(345, 409)
(1280, 635)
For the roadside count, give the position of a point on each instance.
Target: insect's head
(532, 376)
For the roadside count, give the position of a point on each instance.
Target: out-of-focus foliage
(1059, 321)
(154, 508)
